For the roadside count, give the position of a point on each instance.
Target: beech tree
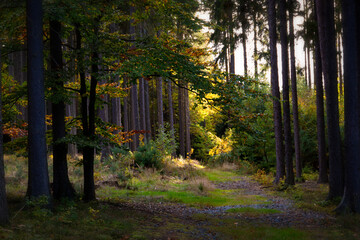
(38, 183)
(62, 187)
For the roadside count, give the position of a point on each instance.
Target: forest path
(275, 213)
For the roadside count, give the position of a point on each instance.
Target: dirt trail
(288, 216)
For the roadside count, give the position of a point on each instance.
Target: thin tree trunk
(147, 111)
(244, 52)
(182, 119)
(38, 183)
(62, 187)
(187, 121)
(309, 66)
(134, 120)
(142, 105)
(126, 108)
(286, 101)
(323, 165)
(4, 211)
(171, 114)
(340, 66)
(255, 45)
(294, 96)
(325, 16)
(280, 168)
(159, 101)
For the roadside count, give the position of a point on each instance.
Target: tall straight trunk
(182, 120)
(340, 65)
(38, 183)
(280, 168)
(244, 51)
(294, 95)
(89, 151)
(159, 102)
(126, 108)
(255, 45)
(286, 101)
(187, 121)
(309, 67)
(320, 116)
(116, 111)
(351, 201)
(62, 187)
(306, 66)
(103, 114)
(325, 16)
(4, 211)
(142, 105)
(134, 117)
(171, 113)
(147, 111)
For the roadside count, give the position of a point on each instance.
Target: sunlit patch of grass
(217, 175)
(213, 198)
(253, 211)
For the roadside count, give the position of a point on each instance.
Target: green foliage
(201, 142)
(148, 156)
(165, 142)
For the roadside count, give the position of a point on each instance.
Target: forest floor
(187, 202)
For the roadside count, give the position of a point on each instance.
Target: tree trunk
(62, 187)
(325, 16)
(134, 118)
(280, 169)
(142, 105)
(182, 120)
(294, 96)
(286, 101)
(323, 165)
(244, 51)
(187, 121)
(38, 183)
(351, 201)
(340, 66)
(159, 101)
(126, 108)
(309, 66)
(171, 114)
(147, 111)
(4, 212)
(255, 46)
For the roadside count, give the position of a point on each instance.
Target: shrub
(148, 156)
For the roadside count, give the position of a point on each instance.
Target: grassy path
(186, 202)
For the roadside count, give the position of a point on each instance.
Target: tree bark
(255, 45)
(142, 105)
(134, 118)
(244, 51)
(320, 122)
(62, 187)
(147, 111)
(294, 95)
(187, 121)
(4, 211)
(159, 101)
(325, 16)
(38, 183)
(171, 114)
(286, 101)
(351, 200)
(182, 121)
(280, 168)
